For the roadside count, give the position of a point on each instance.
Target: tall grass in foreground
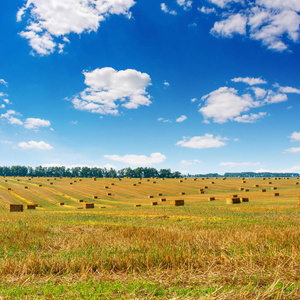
(211, 251)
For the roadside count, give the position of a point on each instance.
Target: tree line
(87, 172)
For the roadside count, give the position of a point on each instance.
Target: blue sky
(195, 86)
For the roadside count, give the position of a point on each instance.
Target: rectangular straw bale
(274, 188)
(212, 182)
(62, 203)
(150, 196)
(137, 205)
(256, 185)
(263, 190)
(80, 200)
(182, 193)
(276, 194)
(163, 199)
(233, 200)
(234, 196)
(30, 206)
(154, 203)
(177, 202)
(25, 187)
(95, 197)
(211, 198)
(244, 199)
(9, 189)
(109, 194)
(159, 194)
(241, 188)
(246, 190)
(40, 185)
(88, 205)
(15, 207)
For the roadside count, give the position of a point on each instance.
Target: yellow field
(50, 193)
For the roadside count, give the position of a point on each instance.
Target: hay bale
(211, 198)
(182, 193)
(95, 179)
(5, 180)
(270, 182)
(180, 180)
(88, 205)
(95, 197)
(244, 199)
(134, 184)
(25, 187)
(177, 202)
(224, 178)
(15, 207)
(154, 182)
(244, 181)
(103, 207)
(212, 182)
(297, 183)
(159, 194)
(9, 189)
(150, 196)
(206, 187)
(112, 183)
(276, 194)
(106, 187)
(163, 199)
(274, 188)
(137, 205)
(62, 203)
(233, 200)
(234, 196)
(71, 183)
(51, 183)
(201, 192)
(109, 194)
(40, 185)
(30, 206)
(241, 188)
(80, 200)
(80, 179)
(256, 185)
(195, 179)
(246, 190)
(154, 203)
(263, 190)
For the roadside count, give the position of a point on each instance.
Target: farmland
(206, 248)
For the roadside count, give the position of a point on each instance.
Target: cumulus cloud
(202, 142)
(35, 123)
(295, 136)
(249, 80)
(230, 104)
(288, 89)
(206, 10)
(234, 24)
(252, 118)
(225, 104)
(2, 81)
(166, 83)
(50, 22)
(35, 145)
(138, 160)
(166, 10)
(164, 120)
(236, 164)
(108, 89)
(186, 4)
(10, 117)
(274, 23)
(181, 119)
(293, 150)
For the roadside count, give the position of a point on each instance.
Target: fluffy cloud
(235, 164)
(138, 160)
(206, 10)
(202, 142)
(106, 86)
(181, 119)
(49, 22)
(186, 4)
(295, 136)
(35, 123)
(252, 118)
(249, 80)
(164, 120)
(35, 145)
(225, 104)
(166, 10)
(166, 83)
(293, 150)
(228, 104)
(10, 117)
(2, 81)
(275, 23)
(288, 89)
(234, 24)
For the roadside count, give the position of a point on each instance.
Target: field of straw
(216, 246)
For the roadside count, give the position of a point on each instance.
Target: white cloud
(273, 97)
(194, 100)
(234, 24)
(225, 104)
(236, 164)
(181, 119)
(9, 116)
(166, 10)
(295, 136)
(106, 86)
(190, 162)
(49, 21)
(206, 10)
(139, 160)
(2, 81)
(74, 122)
(293, 150)
(2, 106)
(186, 4)
(164, 120)
(202, 142)
(249, 80)
(252, 118)
(166, 83)
(259, 92)
(7, 101)
(6, 142)
(274, 23)
(35, 123)
(288, 89)
(35, 145)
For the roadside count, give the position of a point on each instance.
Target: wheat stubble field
(206, 249)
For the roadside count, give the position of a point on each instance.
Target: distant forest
(126, 172)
